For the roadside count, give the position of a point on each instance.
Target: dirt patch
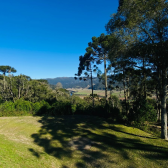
(80, 143)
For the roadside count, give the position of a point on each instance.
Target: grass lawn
(29, 142)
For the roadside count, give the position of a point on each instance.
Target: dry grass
(86, 92)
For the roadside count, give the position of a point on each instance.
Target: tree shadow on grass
(123, 131)
(56, 132)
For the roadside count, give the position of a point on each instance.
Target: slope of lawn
(44, 142)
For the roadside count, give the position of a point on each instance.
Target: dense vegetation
(20, 95)
(136, 47)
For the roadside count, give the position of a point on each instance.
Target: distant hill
(70, 82)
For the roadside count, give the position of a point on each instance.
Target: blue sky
(44, 38)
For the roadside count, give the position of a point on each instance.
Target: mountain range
(70, 82)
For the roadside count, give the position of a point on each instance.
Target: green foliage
(73, 108)
(102, 101)
(64, 90)
(13, 88)
(18, 108)
(37, 98)
(152, 102)
(60, 108)
(45, 107)
(114, 101)
(115, 113)
(36, 107)
(22, 105)
(1, 99)
(76, 105)
(59, 85)
(141, 27)
(143, 111)
(7, 106)
(76, 100)
(7, 69)
(95, 96)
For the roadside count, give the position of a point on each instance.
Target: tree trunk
(125, 96)
(4, 81)
(163, 106)
(158, 92)
(19, 92)
(105, 80)
(125, 91)
(158, 103)
(92, 85)
(144, 78)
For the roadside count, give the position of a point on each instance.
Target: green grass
(43, 142)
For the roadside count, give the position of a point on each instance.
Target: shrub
(20, 107)
(1, 99)
(152, 102)
(102, 101)
(36, 107)
(143, 111)
(60, 108)
(115, 113)
(7, 106)
(73, 108)
(23, 105)
(44, 107)
(114, 101)
(95, 96)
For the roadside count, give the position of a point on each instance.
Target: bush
(152, 102)
(36, 107)
(73, 105)
(1, 99)
(23, 105)
(7, 106)
(115, 113)
(18, 108)
(102, 101)
(143, 111)
(114, 101)
(73, 108)
(60, 108)
(42, 108)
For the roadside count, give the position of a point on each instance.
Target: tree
(146, 22)
(98, 50)
(6, 69)
(24, 87)
(59, 85)
(85, 64)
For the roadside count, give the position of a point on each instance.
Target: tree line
(21, 95)
(135, 48)
(13, 87)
